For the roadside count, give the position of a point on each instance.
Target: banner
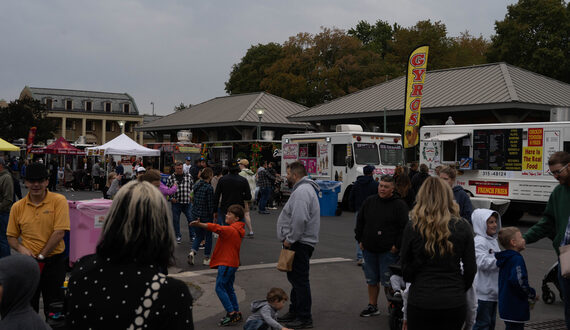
(415, 79)
(31, 135)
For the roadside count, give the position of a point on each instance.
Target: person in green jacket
(555, 218)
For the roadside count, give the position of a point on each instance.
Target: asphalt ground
(338, 286)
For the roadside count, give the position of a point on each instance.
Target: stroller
(395, 303)
(548, 295)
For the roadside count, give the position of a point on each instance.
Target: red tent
(59, 147)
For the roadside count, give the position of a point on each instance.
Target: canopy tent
(6, 146)
(59, 147)
(123, 145)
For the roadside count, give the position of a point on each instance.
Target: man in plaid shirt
(266, 181)
(181, 199)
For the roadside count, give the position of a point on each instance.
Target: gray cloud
(182, 51)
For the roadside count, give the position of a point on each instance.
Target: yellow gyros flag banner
(415, 79)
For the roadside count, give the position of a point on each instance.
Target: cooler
(86, 222)
(328, 197)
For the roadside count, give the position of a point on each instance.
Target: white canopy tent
(124, 145)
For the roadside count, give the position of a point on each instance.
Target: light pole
(122, 125)
(152, 108)
(259, 112)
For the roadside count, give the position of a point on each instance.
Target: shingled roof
(480, 87)
(234, 110)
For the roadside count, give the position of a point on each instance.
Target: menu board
(497, 149)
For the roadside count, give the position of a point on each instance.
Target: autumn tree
(20, 115)
(534, 35)
(375, 37)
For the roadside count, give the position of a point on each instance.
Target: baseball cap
(188, 158)
(244, 162)
(141, 169)
(368, 169)
(36, 171)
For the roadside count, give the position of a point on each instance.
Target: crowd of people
(453, 272)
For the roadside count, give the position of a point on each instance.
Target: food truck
(342, 155)
(499, 161)
(173, 152)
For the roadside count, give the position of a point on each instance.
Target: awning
(447, 137)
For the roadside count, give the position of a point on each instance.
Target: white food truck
(342, 155)
(507, 162)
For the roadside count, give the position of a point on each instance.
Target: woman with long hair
(123, 284)
(438, 259)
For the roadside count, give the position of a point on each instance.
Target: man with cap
(187, 165)
(364, 186)
(6, 201)
(233, 189)
(140, 171)
(40, 220)
(195, 170)
(181, 200)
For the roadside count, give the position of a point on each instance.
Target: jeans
(221, 218)
(255, 325)
(202, 234)
(565, 289)
(377, 267)
(51, 283)
(225, 288)
(4, 246)
(299, 279)
(486, 315)
(264, 197)
(178, 208)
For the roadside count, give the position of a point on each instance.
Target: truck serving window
(366, 153)
(391, 154)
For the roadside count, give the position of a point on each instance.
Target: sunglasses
(558, 172)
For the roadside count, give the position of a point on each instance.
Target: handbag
(285, 263)
(564, 258)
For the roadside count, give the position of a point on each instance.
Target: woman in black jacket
(438, 259)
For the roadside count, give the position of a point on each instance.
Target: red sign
(491, 188)
(31, 135)
(535, 137)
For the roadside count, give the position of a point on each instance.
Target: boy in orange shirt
(226, 259)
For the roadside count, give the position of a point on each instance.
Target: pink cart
(86, 222)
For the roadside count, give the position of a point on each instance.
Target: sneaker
(250, 235)
(289, 317)
(191, 258)
(300, 324)
(236, 317)
(178, 240)
(206, 262)
(230, 319)
(371, 310)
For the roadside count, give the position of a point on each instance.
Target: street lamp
(122, 125)
(152, 108)
(259, 112)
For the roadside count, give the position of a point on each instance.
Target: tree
(181, 107)
(374, 37)
(21, 115)
(246, 76)
(534, 35)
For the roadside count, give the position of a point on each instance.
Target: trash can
(328, 197)
(86, 221)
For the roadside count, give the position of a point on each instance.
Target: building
(488, 93)
(230, 118)
(97, 117)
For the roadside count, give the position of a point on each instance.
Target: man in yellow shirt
(40, 220)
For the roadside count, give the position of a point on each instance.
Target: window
(366, 153)
(339, 154)
(126, 108)
(391, 154)
(88, 105)
(90, 125)
(449, 151)
(307, 150)
(68, 104)
(107, 106)
(49, 104)
(70, 124)
(110, 126)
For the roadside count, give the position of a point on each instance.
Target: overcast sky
(169, 52)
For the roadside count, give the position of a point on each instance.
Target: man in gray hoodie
(298, 229)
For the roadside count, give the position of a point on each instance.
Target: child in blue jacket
(514, 291)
